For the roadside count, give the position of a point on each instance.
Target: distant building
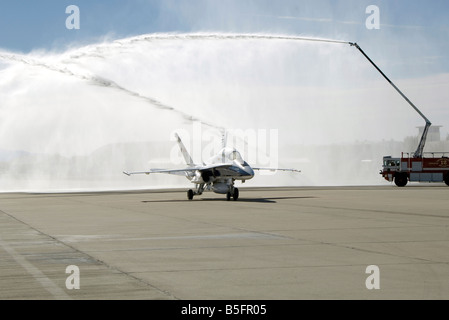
(433, 134)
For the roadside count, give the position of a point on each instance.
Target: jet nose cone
(250, 172)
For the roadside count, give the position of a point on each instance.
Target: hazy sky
(412, 39)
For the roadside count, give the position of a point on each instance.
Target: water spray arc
(419, 151)
(107, 83)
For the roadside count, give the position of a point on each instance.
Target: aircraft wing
(181, 172)
(277, 169)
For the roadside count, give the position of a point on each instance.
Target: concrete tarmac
(273, 243)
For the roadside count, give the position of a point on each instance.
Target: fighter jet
(218, 174)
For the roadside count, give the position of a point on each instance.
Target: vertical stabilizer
(184, 152)
(224, 138)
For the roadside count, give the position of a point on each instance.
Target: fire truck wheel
(400, 180)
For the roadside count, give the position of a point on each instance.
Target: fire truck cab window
(392, 163)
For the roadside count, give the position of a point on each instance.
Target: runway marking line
(37, 274)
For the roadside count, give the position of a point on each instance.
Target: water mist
(75, 120)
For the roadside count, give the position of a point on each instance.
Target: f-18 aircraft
(218, 174)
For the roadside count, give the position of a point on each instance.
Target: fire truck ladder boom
(419, 151)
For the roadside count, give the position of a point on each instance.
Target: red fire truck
(431, 167)
(418, 166)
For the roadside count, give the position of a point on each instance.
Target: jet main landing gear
(234, 194)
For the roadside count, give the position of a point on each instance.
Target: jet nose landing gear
(199, 191)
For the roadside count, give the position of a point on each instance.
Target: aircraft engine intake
(206, 176)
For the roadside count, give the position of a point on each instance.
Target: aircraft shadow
(259, 200)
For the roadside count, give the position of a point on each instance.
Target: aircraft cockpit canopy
(235, 155)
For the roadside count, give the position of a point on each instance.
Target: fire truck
(431, 167)
(417, 166)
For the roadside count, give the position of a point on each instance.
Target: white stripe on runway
(48, 285)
